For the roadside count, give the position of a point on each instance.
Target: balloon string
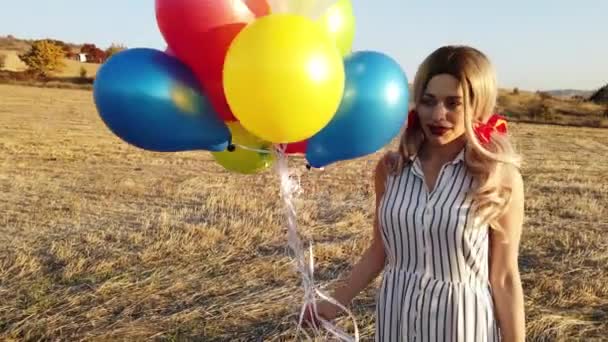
(253, 149)
(290, 188)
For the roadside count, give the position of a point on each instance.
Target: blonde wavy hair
(489, 164)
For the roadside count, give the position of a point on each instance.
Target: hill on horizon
(12, 43)
(570, 93)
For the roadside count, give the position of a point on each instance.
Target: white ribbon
(289, 188)
(253, 149)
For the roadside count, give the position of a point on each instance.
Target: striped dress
(435, 285)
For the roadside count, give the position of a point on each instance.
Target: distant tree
(114, 49)
(44, 57)
(542, 110)
(600, 96)
(515, 91)
(94, 54)
(65, 47)
(83, 72)
(86, 48)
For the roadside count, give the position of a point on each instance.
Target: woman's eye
(427, 102)
(453, 104)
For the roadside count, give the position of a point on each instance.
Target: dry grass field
(101, 241)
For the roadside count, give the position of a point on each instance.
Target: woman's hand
(325, 310)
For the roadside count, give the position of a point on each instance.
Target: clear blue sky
(535, 44)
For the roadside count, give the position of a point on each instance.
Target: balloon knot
(231, 148)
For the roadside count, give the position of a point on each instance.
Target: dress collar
(417, 166)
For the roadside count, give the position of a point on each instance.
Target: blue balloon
(374, 108)
(153, 101)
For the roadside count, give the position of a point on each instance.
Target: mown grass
(102, 241)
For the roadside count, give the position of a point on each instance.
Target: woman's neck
(441, 154)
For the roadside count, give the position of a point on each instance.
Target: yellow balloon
(339, 23)
(283, 78)
(248, 157)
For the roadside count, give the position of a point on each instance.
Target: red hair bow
(496, 123)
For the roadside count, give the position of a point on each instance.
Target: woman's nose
(439, 112)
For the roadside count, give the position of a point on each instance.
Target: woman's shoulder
(386, 166)
(512, 178)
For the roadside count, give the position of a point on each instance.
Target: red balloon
(259, 8)
(199, 32)
(297, 148)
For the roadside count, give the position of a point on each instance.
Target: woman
(449, 212)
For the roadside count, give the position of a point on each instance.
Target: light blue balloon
(153, 101)
(374, 108)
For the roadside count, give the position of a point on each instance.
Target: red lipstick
(438, 130)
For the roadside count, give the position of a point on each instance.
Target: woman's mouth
(438, 130)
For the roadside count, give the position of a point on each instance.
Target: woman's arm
(372, 261)
(504, 271)
(363, 273)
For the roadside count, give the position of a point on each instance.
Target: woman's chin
(444, 139)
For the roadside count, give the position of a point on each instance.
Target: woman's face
(441, 111)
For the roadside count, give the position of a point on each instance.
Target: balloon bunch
(252, 81)
(240, 76)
